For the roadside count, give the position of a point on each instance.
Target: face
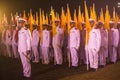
(21, 24)
(98, 26)
(111, 25)
(83, 26)
(27, 26)
(44, 27)
(72, 25)
(57, 23)
(34, 27)
(92, 23)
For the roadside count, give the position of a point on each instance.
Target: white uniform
(45, 46)
(74, 45)
(24, 44)
(58, 44)
(93, 47)
(15, 45)
(115, 44)
(34, 43)
(114, 36)
(9, 43)
(103, 47)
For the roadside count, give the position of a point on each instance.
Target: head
(111, 24)
(27, 26)
(100, 25)
(57, 22)
(92, 22)
(83, 25)
(21, 23)
(34, 26)
(72, 24)
(49, 27)
(44, 26)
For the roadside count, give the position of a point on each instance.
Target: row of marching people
(8, 41)
(102, 46)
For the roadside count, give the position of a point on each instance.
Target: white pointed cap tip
(111, 22)
(21, 20)
(56, 20)
(83, 22)
(91, 19)
(72, 21)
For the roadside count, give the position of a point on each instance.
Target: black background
(8, 6)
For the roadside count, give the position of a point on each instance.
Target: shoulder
(93, 31)
(24, 30)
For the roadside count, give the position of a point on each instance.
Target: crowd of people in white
(103, 45)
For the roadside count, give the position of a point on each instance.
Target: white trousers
(93, 58)
(35, 53)
(26, 64)
(74, 56)
(58, 55)
(102, 56)
(45, 55)
(113, 54)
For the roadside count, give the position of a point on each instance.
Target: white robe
(93, 47)
(24, 44)
(74, 45)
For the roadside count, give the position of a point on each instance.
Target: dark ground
(11, 69)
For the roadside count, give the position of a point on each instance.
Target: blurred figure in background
(74, 43)
(9, 42)
(14, 42)
(58, 43)
(35, 42)
(46, 44)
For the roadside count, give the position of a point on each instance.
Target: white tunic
(75, 38)
(94, 39)
(58, 38)
(115, 37)
(24, 41)
(46, 38)
(35, 37)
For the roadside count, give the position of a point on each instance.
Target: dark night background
(8, 6)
